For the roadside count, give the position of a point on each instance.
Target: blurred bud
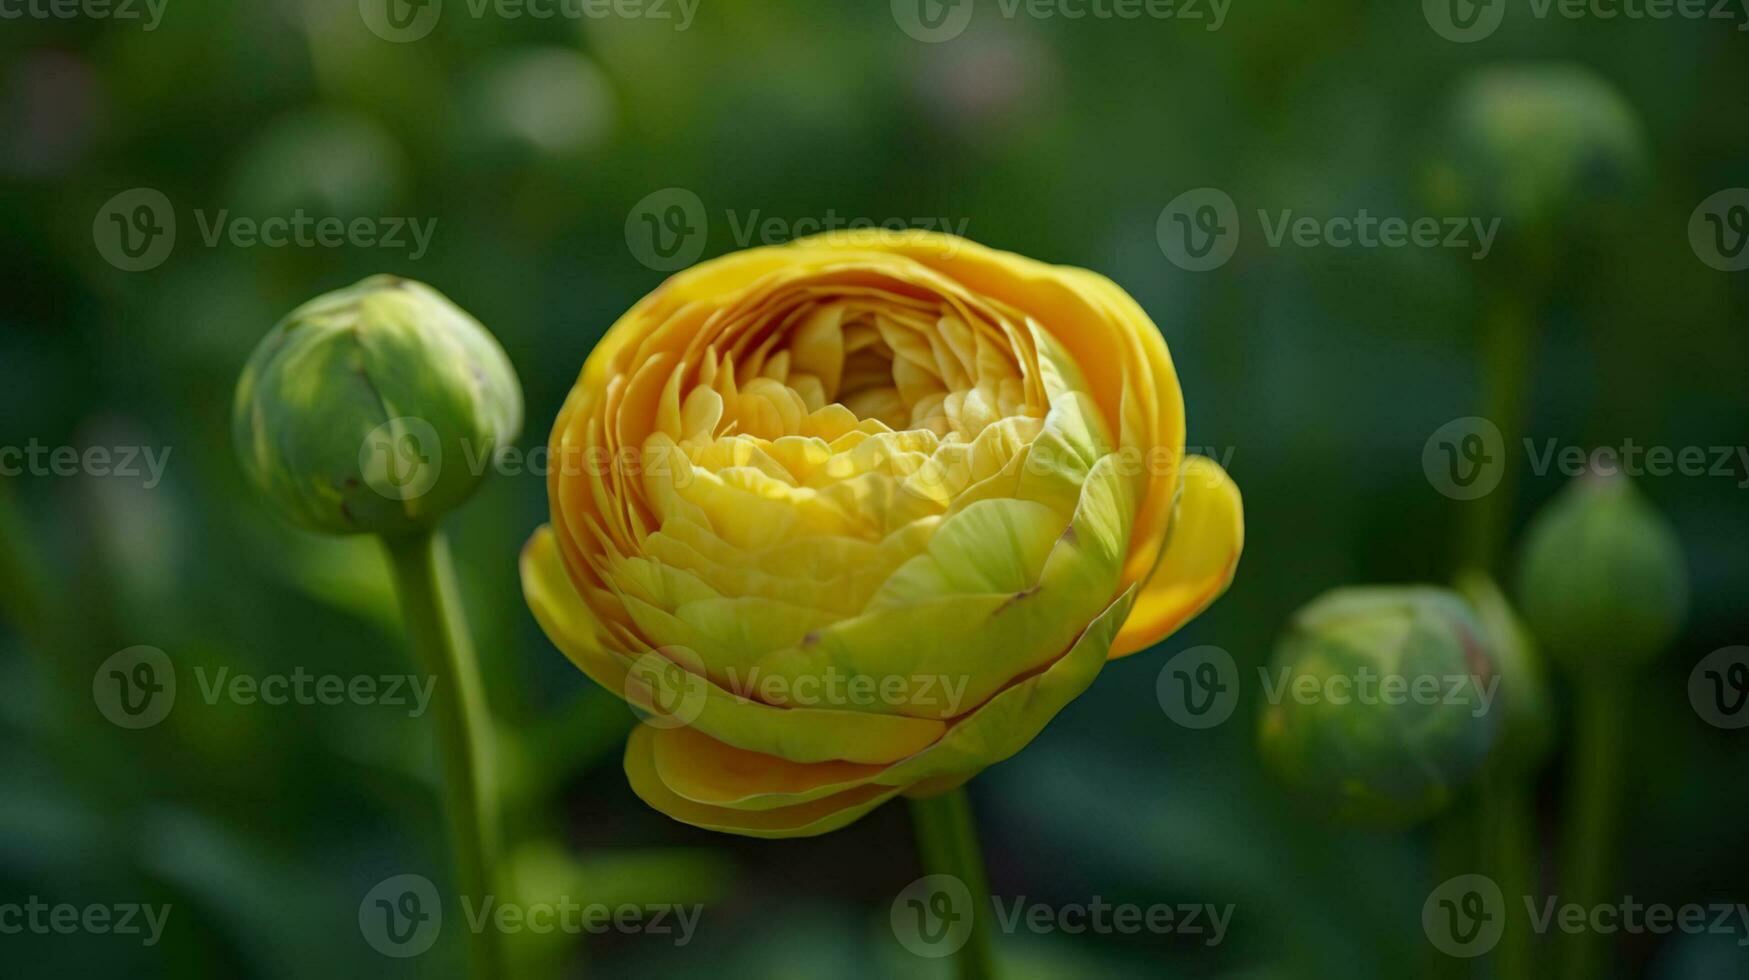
(539, 101)
(1602, 581)
(1527, 712)
(376, 409)
(1379, 702)
(327, 161)
(1534, 145)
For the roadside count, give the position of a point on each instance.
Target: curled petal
(1201, 555)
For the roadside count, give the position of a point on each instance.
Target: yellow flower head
(858, 515)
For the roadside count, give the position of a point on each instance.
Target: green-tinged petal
(802, 820)
(805, 735)
(699, 776)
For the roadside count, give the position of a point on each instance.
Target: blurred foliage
(1321, 371)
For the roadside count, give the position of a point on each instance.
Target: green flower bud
(376, 409)
(1527, 710)
(1602, 581)
(1379, 702)
(1535, 145)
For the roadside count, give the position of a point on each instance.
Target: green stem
(425, 581)
(1510, 842)
(1499, 821)
(947, 843)
(1455, 852)
(1507, 329)
(1593, 805)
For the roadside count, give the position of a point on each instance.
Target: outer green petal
(798, 734)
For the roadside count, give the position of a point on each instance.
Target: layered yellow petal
(870, 508)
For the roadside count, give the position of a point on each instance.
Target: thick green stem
(1593, 809)
(947, 843)
(425, 580)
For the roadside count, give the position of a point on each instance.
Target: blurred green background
(530, 142)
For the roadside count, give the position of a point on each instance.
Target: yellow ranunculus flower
(858, 515)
